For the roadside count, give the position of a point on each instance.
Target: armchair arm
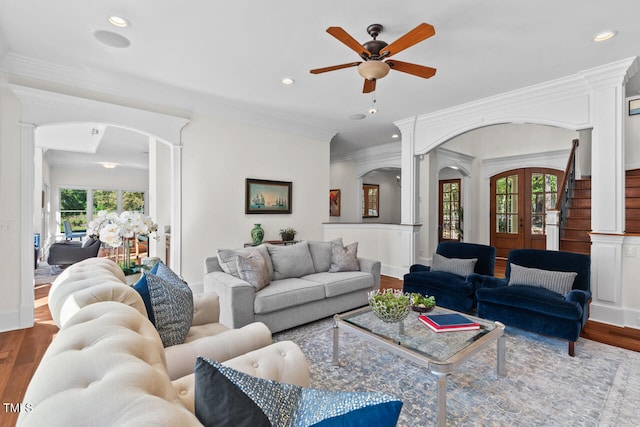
(236, 298)
(419, 267)
(493, 282)
(373, 267)
(220, 347)
(206, 308)
(476, 280)
(579, 296)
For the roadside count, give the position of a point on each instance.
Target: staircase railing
(568, 182)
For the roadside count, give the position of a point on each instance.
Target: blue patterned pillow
(169, 303)
(224, 396)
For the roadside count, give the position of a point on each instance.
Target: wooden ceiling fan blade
(418, 34)
(349, 41)
(334, 67)
(369, 86)
(409, 68)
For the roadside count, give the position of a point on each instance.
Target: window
(544, 188)
(73, 208)
(370, 200)
(450, 210)
(78, 206)
(507, 204)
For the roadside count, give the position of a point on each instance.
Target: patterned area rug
(543, 385)
(46, 273)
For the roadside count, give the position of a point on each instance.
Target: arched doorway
(519, 201)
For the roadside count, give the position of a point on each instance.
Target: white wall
(389, 196)
(344, 177)
(632, 140)
(217, 157)
(10, 209)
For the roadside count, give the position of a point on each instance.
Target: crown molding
(147, 94)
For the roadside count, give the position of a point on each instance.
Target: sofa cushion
(321, 254)
(170, 304)
(291, 260)
(460, 266)
(344, 258)
(530, 298)
(225, 396)
(285, 293)
(342, 283)
(557, 281)
(253, 269)
(228, 263)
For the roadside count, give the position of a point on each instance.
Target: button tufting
(183, 392)
(283, 354)
(255, 364)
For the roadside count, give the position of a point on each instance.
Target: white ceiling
(228, 58)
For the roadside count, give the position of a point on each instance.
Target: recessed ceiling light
(605, 35)
(357, 117)
(395, 136)
(108, 165)
(118, 21)
(288, 81)
(111, 39)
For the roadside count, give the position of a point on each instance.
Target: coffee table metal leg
(442, 399)
(502, 343)
(336, 335)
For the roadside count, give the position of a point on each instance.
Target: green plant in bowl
(422, 303)
(390, 305)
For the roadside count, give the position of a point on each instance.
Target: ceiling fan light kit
(373, 70)
(376, 52)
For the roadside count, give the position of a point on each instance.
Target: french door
(519, 201)
(449, 211)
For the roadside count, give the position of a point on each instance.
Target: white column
(27, 298)
(552, 230)
(410, 191)
(607, 184)
(176, 208)
(153, 192)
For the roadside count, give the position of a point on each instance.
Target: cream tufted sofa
(107, 365)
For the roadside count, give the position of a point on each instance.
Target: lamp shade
(373, 69)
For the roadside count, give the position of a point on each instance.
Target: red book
(448, 322)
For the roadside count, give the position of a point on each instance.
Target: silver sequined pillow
(557, 281)
(344, 258)
(253, 269)
(460, 266)
(172, 305)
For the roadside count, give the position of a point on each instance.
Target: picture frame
(267, 197)
(334, 202)
(634, 107)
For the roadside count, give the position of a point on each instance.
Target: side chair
(456, 272)
(547, 292)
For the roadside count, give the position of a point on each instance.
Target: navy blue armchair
(453, 291)
(537, 308)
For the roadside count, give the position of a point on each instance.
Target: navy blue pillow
(224, 396)
(142, 287)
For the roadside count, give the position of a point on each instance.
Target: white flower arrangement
(112, 228)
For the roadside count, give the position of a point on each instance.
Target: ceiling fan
(375, 53)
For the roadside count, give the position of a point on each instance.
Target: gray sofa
(301, 287)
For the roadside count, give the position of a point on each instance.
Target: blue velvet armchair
(537, 308)
(453, 291)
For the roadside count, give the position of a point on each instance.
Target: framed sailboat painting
(267, 197)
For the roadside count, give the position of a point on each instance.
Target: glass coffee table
(440, 352)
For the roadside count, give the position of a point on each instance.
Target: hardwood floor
(21, 350)
(20, 354)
